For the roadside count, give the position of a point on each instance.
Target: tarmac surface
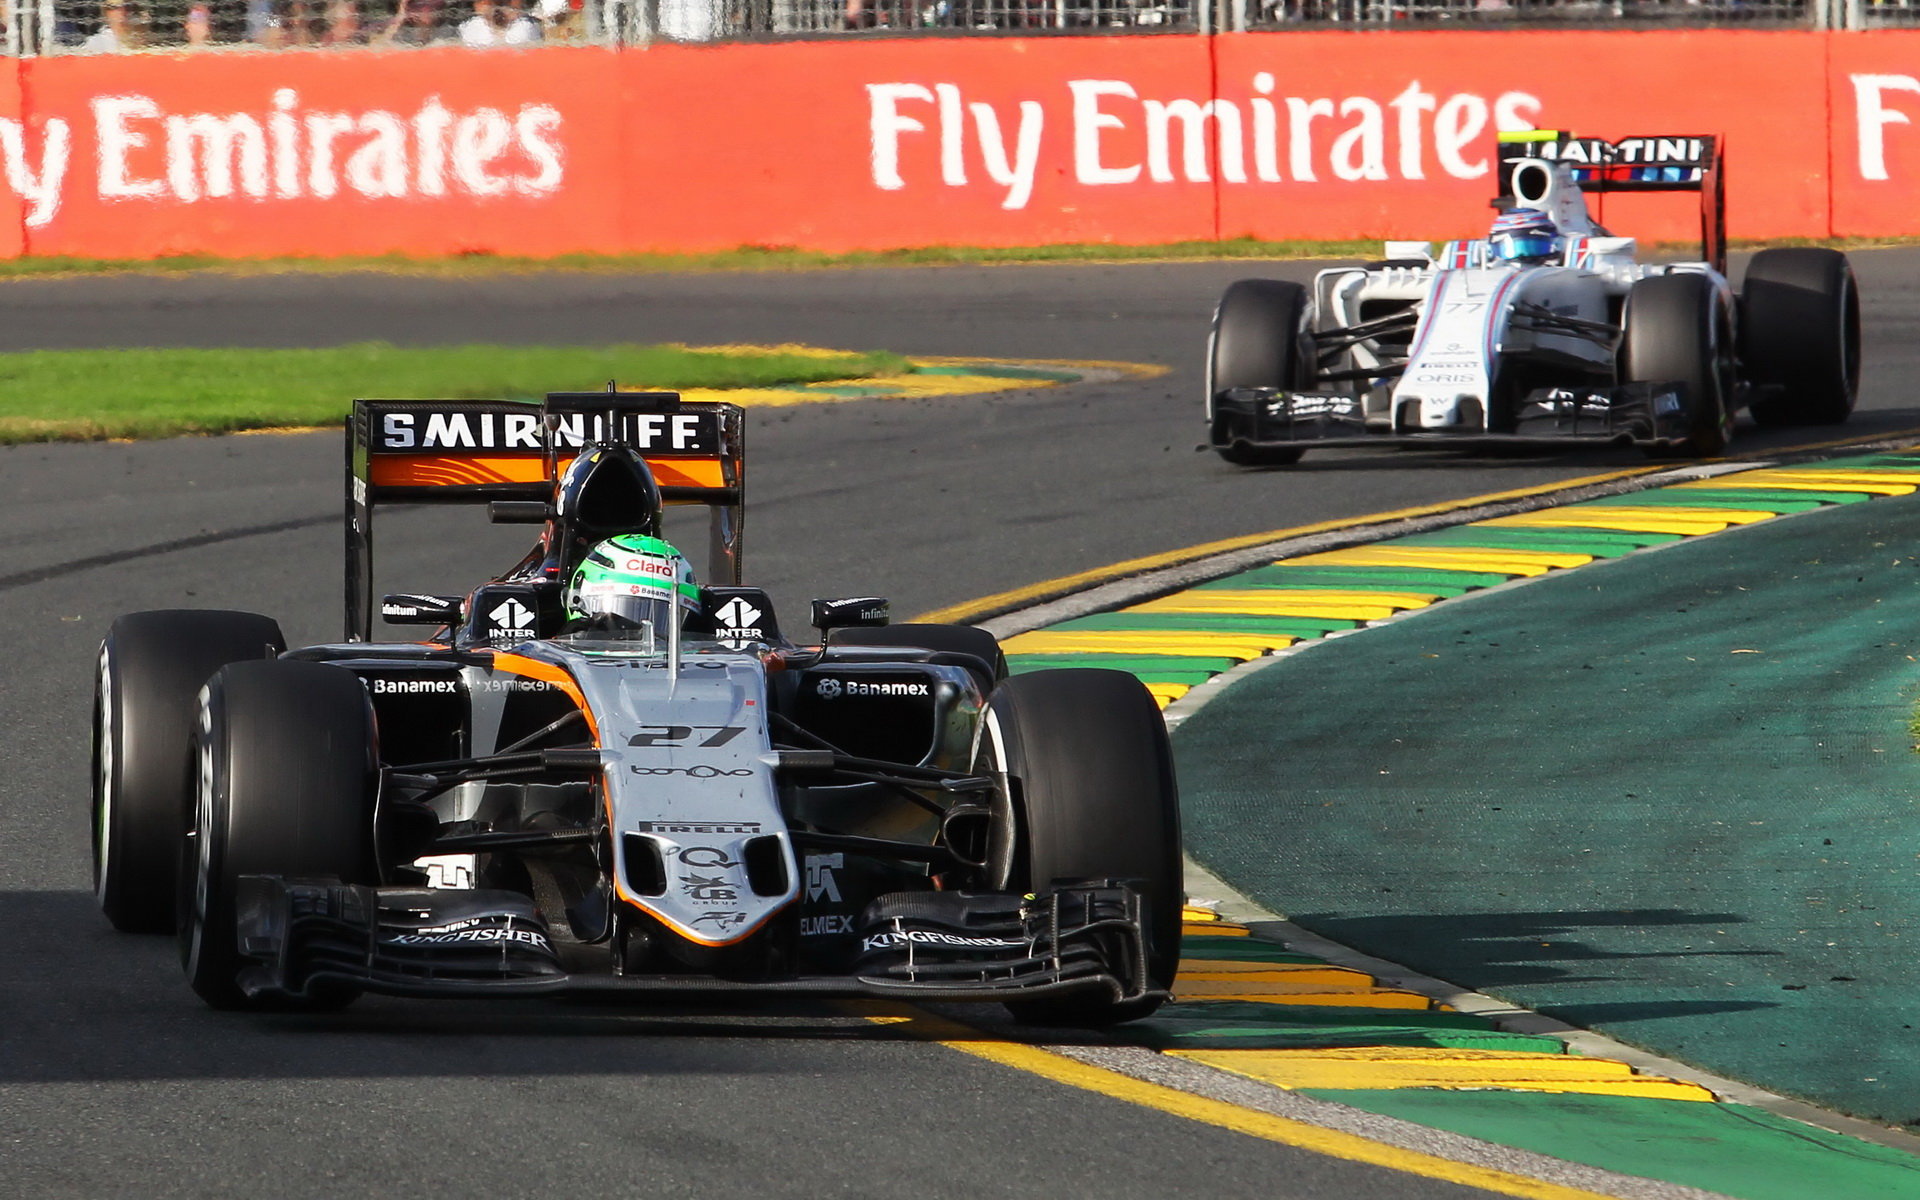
(111, 1075)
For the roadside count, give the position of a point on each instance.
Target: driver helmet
(632, 580)
(1524, 235)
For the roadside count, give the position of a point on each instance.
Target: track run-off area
(1433, 790)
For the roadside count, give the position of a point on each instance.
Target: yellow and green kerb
(1176, 642)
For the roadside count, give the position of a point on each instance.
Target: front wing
(1641, 414)
(297, 935)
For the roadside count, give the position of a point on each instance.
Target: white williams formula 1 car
(1546, 330)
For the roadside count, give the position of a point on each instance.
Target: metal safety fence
(47, 27)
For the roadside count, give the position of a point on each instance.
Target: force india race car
(525, 803)
(1551, 332)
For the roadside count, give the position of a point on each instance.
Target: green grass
(70, 395)
(782, 258)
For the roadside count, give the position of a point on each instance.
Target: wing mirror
(518, 512)
(850, 613)
(408, 608)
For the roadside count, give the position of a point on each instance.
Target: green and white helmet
(635, 579)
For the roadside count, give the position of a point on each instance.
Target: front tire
(1678, 330)
(1800, 336)
(285, 778)
(149, 670)
(1256, 342)
(1089, 782)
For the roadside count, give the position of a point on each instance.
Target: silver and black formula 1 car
(1547, 330)
(523, 803)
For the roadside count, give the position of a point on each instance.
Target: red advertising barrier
(434, 152)
(918, 142)
(1874, 84)
(1400, 144)
(838, 145)
(17, 174)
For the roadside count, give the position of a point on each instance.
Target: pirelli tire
(285, 777)
(942, 639)
(1257, 340)
(1800, 336)
(1679, 330)
(149, 671)
(1091, 794)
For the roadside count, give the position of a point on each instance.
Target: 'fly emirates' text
(1263, 138)
(143, 152)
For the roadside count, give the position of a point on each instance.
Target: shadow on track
(89, 1004)
(1501, 949)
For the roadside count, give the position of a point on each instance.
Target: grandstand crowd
(109, 26)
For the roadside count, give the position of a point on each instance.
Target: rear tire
(1678, 330)
(284, 785)
(1092, 796)
(150, 668)
(1255, 342)
(944, 639)
(1801, 334)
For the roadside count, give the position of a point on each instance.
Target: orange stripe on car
(464, 470)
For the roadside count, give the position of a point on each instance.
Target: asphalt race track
(114, 1080)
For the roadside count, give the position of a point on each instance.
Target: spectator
(557, 20)
(498, 23)
(298, 21)
(114, 34)
(279, 23)
(343, 23)
(416, 23)
(199, 24)
(688, 20)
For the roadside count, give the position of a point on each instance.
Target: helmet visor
(1532, 244)
(629, 605)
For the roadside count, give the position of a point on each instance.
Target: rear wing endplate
(1662, 163)
(478, 451)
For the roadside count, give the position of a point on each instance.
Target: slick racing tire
(1255, 342)
(1090, 786)
(150, 668)
(285, 775)
(945, 639)
(1678, 330)
(1800, 336)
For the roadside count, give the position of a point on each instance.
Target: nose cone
(608, 490)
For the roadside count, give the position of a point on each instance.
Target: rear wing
(1664, 163)
(481, 451)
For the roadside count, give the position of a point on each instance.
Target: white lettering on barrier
(1457, 125)
(1300, 115)
(1872, 116)
(1409, 106)
(41, 188)
(1193, 118)
(1016, 175)
(1355, 138)
(1361, 152)
(1088, 120)
(115, 139)
(1266, 130)
(886, 123)
(287, 153)
(953, 132)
